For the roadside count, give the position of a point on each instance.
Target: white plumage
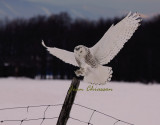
(91, 60)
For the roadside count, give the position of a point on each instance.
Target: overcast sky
(91, 9)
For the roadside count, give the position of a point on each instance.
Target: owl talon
(79, 72)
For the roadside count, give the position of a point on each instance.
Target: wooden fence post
(67, 105)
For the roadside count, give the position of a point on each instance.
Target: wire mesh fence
(23, 115)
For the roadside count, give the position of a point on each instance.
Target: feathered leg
(80, 72)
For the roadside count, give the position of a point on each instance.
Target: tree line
(21, 52)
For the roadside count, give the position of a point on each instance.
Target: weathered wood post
(67, 105)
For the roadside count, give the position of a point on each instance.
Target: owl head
(80, 51)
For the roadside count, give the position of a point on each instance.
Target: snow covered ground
(135, 103)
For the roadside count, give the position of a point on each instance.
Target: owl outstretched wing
(66, 56)
(114, 39)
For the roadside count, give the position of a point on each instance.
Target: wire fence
(44, 117)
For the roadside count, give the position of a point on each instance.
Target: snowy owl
(91, 60)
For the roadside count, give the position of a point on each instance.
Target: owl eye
(77, 48)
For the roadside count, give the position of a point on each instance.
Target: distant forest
(22, 55)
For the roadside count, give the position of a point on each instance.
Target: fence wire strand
(117, 120)
(21, 121)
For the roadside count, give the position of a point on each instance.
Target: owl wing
(114, 39)
(66, 56)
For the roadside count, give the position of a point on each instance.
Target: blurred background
(68, 23)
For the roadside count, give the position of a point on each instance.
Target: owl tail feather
(99, 76)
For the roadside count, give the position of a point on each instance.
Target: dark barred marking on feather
(90, 60)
